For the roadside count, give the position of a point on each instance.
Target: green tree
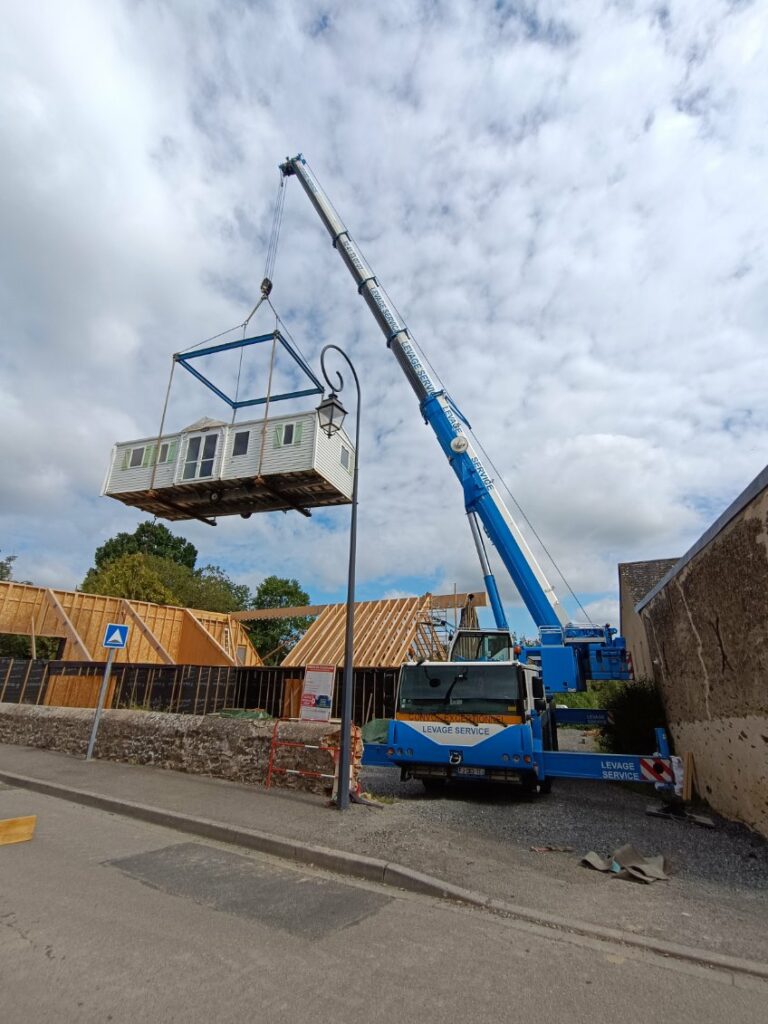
(6, 567)
(216, 592)
(147, 539)
(141, 577)
(134, 576)
(273, 638)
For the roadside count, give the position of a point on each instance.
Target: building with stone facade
(706, 623)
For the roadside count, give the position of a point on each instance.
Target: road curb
(373, 869)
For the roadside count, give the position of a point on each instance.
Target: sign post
(317, 693)
(115, 639)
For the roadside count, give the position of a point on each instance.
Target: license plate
(469, 771)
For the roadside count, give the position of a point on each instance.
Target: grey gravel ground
(590, 816)
(482, 836)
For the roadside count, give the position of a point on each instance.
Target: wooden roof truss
(387, 633)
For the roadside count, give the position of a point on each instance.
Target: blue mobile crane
(488, 711)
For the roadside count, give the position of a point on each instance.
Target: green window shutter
(149, 455)
(126, 458)
(297, 433)
(278, 436)
(173, 447)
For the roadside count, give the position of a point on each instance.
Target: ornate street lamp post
(330, 414)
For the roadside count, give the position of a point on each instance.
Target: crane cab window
(240, 446)
(440, 688)
(201, 453)
(479, 646)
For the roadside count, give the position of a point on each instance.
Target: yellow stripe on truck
(479, 718)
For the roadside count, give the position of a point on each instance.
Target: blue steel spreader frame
(184, 359)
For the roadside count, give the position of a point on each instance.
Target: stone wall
(707, 626)
(227, 748)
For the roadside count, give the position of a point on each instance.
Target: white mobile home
(213, 468)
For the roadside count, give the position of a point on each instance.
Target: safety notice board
(317, 693)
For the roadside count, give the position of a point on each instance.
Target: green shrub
(595, 696)
(636, 710)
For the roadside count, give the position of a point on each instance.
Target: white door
(200, 457)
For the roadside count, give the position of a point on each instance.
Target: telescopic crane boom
(482, 500)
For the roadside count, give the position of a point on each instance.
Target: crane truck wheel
(534, 787)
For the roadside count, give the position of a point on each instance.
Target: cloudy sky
(567, 201)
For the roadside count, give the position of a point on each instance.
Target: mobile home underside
(281, 492)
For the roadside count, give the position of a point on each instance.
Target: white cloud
(566, 201)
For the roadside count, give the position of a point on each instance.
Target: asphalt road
(108, 919)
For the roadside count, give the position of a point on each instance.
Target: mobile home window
(163, 453)
(240, 447)
(345, 457)
(137, 457)
(209, 452)
(287, 434)
(200, 457)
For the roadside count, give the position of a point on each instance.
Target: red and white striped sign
(655, 769)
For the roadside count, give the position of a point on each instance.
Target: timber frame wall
(187, 689)
(159, 634)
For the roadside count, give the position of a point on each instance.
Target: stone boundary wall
(707, 627)
(225, 748)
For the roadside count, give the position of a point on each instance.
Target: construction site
(279, 770)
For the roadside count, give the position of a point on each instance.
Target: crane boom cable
(274, 237)
(530, 525)
(213, 337)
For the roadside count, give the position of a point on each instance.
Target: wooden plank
(395, 642)
(241, 638)
(19, 604)
(80, 691)
(208, 640)
(688, 776)
(442, 601)
(280, 613)
(388, 626)
(375, 620)
(381, 627)
(17, 830)
(292, 689)
(323, 643)
(144, 629)
(65, 620)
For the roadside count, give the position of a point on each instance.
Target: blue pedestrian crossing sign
(115, 636)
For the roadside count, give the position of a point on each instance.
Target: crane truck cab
(482, 645)
(461, 719)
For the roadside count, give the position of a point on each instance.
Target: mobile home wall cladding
(214, 468)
